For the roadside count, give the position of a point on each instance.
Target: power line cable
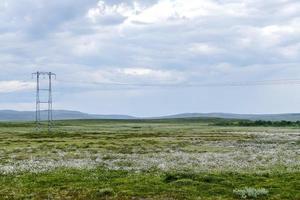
(224, 84)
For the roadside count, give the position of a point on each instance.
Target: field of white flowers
(263, 152)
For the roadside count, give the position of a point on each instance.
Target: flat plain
(148, 159)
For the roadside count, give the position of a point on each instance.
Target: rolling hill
(266, 117)
(12, 115)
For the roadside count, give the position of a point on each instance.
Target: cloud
(168, 10)
(15, 86)
(35, 18)
(202, 48)
(109, 15)
(162, 75)
(151, 41)
(131, 76)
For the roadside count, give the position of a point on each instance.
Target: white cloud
(291, 9)
(205, 49)
(137, 71)
(151, 75)
(14, 86)
(277, 33)
(132, 75)
(170, 10)
(164, 10)
(107, 14)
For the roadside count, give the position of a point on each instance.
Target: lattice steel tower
(39, 98)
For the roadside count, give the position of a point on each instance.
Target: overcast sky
(151, 42)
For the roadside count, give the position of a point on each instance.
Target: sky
(152, 57)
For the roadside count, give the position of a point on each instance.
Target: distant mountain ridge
(12, 115)
(266, 117)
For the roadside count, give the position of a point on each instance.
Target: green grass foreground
(147, 159)
(108, 184)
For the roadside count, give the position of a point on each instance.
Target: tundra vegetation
(150, 159)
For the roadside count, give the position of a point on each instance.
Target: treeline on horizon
(282, 123)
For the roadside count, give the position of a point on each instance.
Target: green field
(148, 159)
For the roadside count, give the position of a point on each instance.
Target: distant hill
(12, 115)
(266, 117)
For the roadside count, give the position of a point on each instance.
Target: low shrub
(184, 182)
(250, 193)
(105, 192)
(174, 176)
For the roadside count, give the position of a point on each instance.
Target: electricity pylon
(48, 89)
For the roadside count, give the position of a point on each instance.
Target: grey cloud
(35, 17)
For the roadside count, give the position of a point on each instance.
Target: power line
(224, 84)
(121, 85)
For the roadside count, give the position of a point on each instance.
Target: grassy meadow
(149, 159)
